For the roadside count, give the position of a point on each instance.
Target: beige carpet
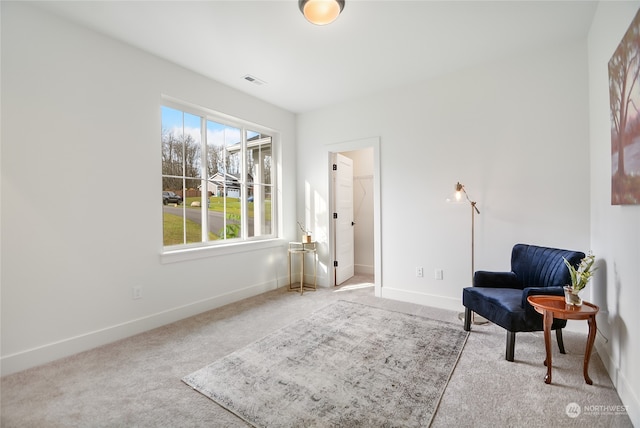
(137, 381)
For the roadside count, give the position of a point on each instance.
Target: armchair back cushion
(542, 266)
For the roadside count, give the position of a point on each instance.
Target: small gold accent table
(303, 248)
(555, 307)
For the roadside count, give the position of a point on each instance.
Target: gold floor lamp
(460, 190)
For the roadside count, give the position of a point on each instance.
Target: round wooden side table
(555, 307)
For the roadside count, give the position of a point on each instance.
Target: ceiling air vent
(253, 79)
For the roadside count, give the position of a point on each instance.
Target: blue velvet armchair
(501, 297)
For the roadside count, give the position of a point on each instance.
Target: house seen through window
(217, 179)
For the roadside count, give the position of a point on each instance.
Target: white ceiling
(374, 45)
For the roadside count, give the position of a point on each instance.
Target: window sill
(186, 254)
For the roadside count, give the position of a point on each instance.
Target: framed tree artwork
(624, 101)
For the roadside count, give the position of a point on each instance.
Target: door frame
(347, 146)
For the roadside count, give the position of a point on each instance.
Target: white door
(343, 218)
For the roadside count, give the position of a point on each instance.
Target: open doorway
(360, 212)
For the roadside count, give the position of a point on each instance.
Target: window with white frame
(217, 179)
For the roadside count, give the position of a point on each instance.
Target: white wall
(81, 213)
(615, 230)
(513, 131)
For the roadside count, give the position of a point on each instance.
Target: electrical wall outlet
(136, 292)
(419, 272)
(439, 274)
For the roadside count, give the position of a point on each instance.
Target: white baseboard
(450, 303)
(364, 269)
(50, 352)
(622, 385)
(629, 398)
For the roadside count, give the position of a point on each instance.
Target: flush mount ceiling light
(321, 12)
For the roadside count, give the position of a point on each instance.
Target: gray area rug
(345, 365)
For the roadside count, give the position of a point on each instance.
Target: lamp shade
(321, 12)
(459, 189)
(459, 195)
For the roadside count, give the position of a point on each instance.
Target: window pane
(223, 147)
(259, 210)
(172, 145)
(193, 212)
(172, 225)
(215, 155)
(259, 159)
(232, 212)
(259, 156)
(192, 141)
(222, 220)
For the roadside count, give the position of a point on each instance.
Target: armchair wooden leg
(560, 341)
(467, 319)
(511, 344)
